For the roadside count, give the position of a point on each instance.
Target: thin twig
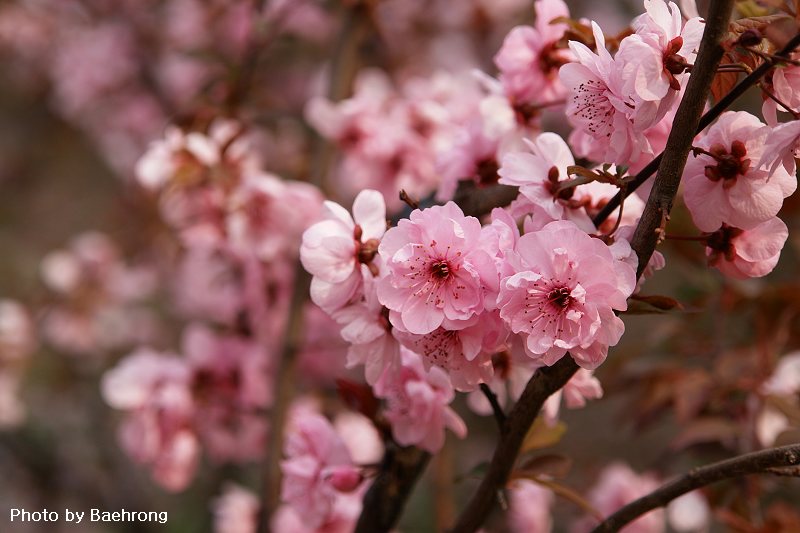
(752, 463)
(497, 409)
(712, 114)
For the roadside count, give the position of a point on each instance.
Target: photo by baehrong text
(92, 515)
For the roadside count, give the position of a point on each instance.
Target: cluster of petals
(563, 293)
(723, 183)
(581, 387)
(418, 403)
(751, 253)
(437, 272)
(317, 467)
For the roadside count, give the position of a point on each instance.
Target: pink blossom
(530, 507)
(601, 106)
(749, 253)
(365, 325)
(689, 513)
(418, 403)
(17, 335)
(360, 436)
(530, 57)
(581, 387)
(622, 251)
(313, 451)
(158, 433)
(782, 147)
(334, 250)
(236, 510)
(436, 270)
(618, 486)
(321, 357)
(537, 173)
(723, 184)
(563, 295)
(784, 83)
(464, 350)
(659, 51)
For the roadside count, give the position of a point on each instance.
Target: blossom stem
(499, 415)
(777, 100)
(764, 461)
(712, 114)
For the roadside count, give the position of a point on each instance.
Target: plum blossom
(782, 147)
(659, 51)
(418, 403)
(334, 249)
(464, 351)
(437, 271)
(784, 81)
(601, 105)
(365, 325)
(155, 389)
(531, 56)
(723, 183)
(749, 253)
(563, 294)
(538, 173)
(784, 383)
(581, 387)
(316, 457)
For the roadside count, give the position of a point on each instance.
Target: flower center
(560, 297)
(440, 269)
(729, 164)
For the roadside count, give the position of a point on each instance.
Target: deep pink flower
(749, 253)
(418, 403)
(563, 295)
(334, 250)
(724, 184)
(436, 269)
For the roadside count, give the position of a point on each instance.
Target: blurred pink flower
(530, 507)
(236, 510)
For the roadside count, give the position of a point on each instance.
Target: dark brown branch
(544, 382)
(725, 102)
(751, 463)
(386, 498)
(548, 380)
(679, 142)
(497, 409)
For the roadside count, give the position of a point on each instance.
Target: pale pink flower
(581, 387)
(208, 285)
(724, 183)
(538, 173)
(313, 450)
(658, 52)
(622, 251)
(749, 253)
(17, 335)
(563, 295)
(464, 350)
(342, 518)
(689, 513)
(360, 436)
(782, 147)
(12, 408)
(530, 57)
(157, 432)
(334, 250)
(530, 507)
(365, 325)
(436, 269)
(236, 510)
(618, 486)
(601, 106)
(418, 403)
(784, 83)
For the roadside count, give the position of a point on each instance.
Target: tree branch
(743, 465)
(679, 142)
(725, 102)
(547, 380)
(497, 409)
